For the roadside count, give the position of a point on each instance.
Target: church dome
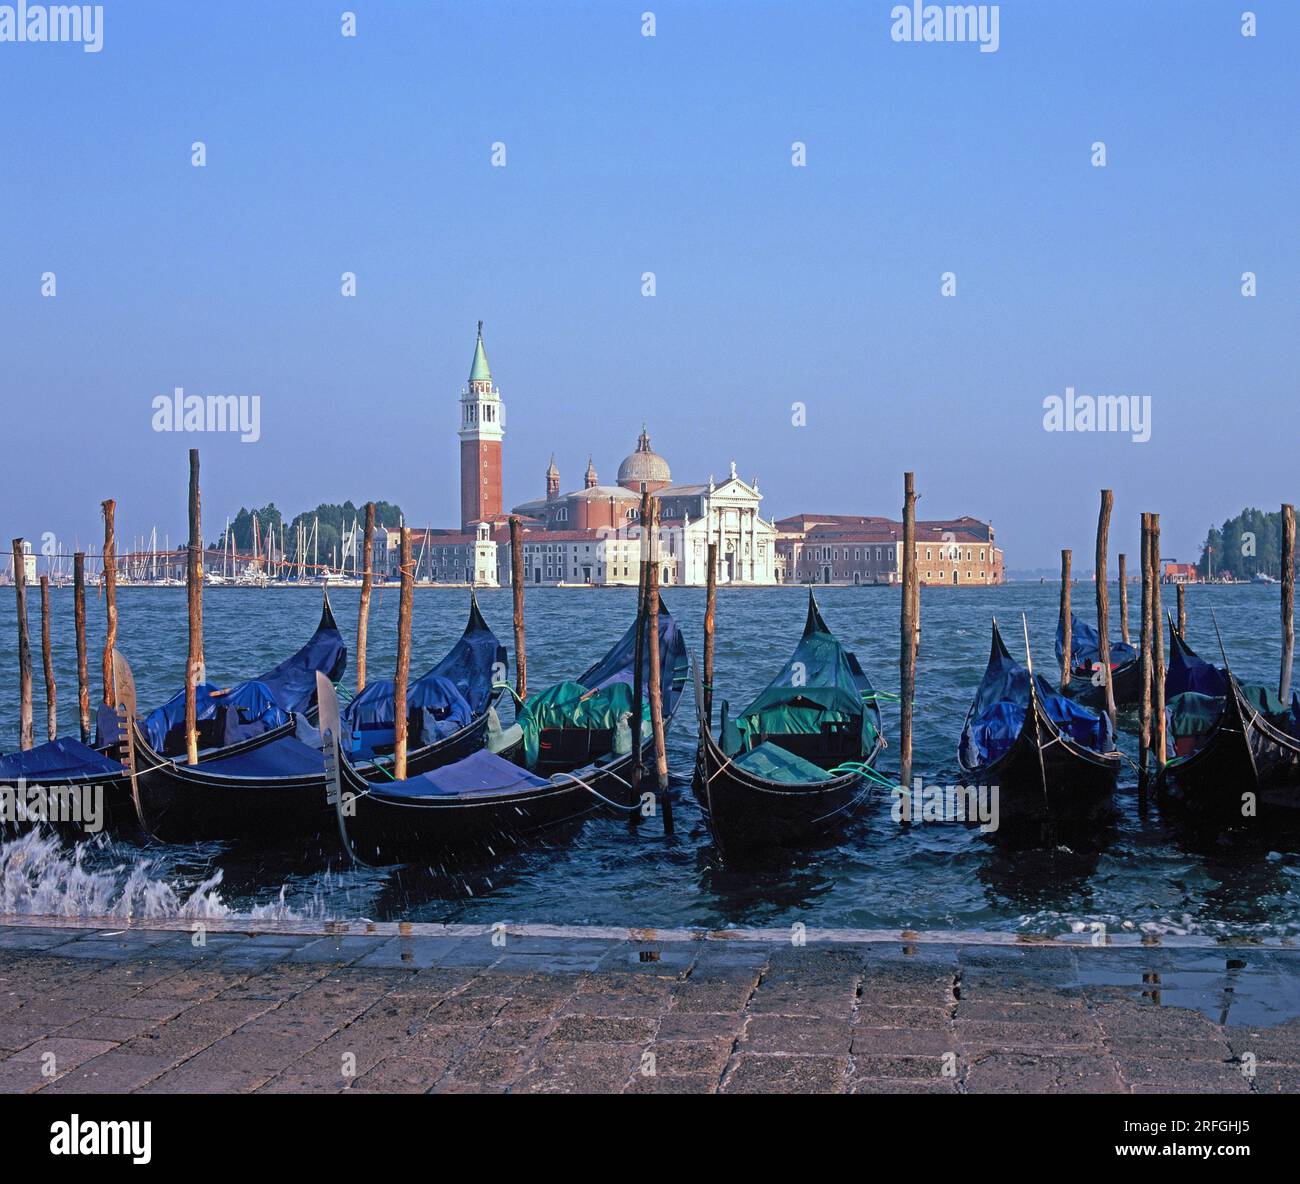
(644, 467)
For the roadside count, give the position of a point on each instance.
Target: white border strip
(642, 936)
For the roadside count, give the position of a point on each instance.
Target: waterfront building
(592, 535)
(854, 549)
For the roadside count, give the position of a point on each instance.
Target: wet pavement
(152, 1010)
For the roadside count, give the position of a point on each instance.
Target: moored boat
(569, 755)
(1049, 759)
(1087, 684)
(271, 787)
(1236, 746)
(795, 765)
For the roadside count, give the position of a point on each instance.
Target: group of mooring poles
(1152, 726)
(109, 589)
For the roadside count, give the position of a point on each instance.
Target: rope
(596, 793)
(863, 770)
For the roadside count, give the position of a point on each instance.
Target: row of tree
(334, 520)
(1249, 543)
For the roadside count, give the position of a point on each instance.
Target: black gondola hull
(183, 803)
(748, 815)
(1245, 768)
(1062, 784)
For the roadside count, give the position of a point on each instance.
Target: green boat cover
(571, 705)
(1192, 714)
(821, 683)
(1264, 701)
(776, 764)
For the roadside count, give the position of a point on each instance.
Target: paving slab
(448, 1011)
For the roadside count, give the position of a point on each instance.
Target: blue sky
(628, 154)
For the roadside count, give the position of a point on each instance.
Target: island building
(856, 549)
(591, 535)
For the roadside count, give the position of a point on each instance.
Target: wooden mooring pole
(1123, 599)
(517, 575)
(79, 617)
(908, 628)
(1157, 648)
(1145, 663)
(108, 582)
(1067, 650)
(24, 649)
(194, 595)
(1288, 603)
(1103, 598)
(710, 615)
(47, 663)
(363, 612)
(654, 673)
(1182, 608)
(405, 604)
(638, 661)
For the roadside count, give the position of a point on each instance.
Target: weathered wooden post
(404, 606)
(1157, 647)
(1067, 623)
(194, 595)
(638, 662)
(1288, 602)
(108, 580)
(517, 584)
(654, 673)
(1181, 588)
(1123, 599)
(47, 662)
(710, 613)
(24, 649)
(1145, 663)
(363, 614)
(907, 654)
(79, 615)
(1103, 598)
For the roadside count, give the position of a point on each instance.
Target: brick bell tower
(482, 425)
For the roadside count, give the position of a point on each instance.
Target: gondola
(1085, 662)
(1050, 759)
(88, 786)
(794, 766)
(227, 717)
(1228, 740)
(570, 755)
(272, 787)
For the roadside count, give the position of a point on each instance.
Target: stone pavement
(108, 1011)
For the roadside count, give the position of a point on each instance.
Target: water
(1145, 872)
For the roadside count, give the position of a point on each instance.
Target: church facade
(592, 535)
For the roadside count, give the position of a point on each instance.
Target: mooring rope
(596, 793)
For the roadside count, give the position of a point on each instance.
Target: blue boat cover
(286, 757)
(57, 760)
(244, 711)
(293, 682)
(1001, 703)
(619, 664)
(1189, 673)
(483, 774)
(1085, 647)
(436, 709)
(452, 694)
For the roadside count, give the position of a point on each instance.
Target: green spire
(479, 371)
